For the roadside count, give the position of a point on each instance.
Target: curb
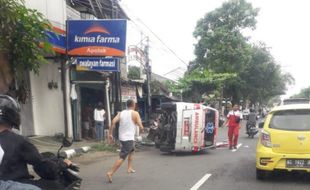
(73, 152)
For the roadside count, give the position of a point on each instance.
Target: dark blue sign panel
(97, 64)
(96, 37)
(58, 41)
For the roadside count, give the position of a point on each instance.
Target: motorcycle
(153, 132)
(222, 120)
(251, 130)
(67, 179)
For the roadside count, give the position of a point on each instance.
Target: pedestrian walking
(234, 118)
(99, 115)
(128, 120)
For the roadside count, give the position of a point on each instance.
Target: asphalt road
(218, 169)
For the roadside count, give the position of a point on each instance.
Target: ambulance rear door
(210, 126)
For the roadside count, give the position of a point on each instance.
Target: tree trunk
(6, 76)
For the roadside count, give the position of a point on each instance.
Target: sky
(282, 24)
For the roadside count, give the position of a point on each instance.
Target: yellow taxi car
(284, 143)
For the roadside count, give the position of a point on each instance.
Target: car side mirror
(261, 125)
(66, 142)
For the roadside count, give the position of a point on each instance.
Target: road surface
(218, 169)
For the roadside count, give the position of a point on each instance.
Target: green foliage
(22, 30)
(205, 79)
(264, 78)
(274, 101)
(105, 147)
(198, 82)
(134, 72)
(221, 45)
(304, 93)
(226, 60)
(157, 88)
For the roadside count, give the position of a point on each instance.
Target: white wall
(53, 10)
(27, 125)
(48, 111)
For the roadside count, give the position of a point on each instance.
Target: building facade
(59, 92)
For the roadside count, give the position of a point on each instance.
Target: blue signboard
(57, 40)
(96, 37)
(97, 64)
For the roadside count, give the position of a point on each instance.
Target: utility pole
(117, 78)
(64, 95)
(148, 79)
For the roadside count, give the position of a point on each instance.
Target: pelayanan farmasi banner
(97, 64)
(96, 37)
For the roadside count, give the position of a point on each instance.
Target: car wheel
(261, 174)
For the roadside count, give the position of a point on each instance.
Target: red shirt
(232, 116)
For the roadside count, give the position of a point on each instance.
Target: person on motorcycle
(16, 152)
(251, 121)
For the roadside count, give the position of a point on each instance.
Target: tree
(134, 72)
(158, 88)
(223, 50)
(264, 78)
(22, 32)
(198, 82)
(304, 93)
(221, 45)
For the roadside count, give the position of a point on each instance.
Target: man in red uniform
(233, 119)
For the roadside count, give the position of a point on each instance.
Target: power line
(155, 35)
(173, 52)
(175, 71)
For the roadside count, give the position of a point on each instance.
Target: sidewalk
(52, 144)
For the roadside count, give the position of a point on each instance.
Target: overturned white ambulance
(186, 127)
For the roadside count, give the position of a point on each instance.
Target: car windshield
(293, 120)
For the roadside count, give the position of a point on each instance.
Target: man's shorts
(127, 148)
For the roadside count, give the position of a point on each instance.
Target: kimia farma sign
(96, 37)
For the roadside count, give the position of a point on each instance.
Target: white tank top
(127, 127)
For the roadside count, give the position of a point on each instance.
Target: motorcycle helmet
(9, 112)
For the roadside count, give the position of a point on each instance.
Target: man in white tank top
(128, 120)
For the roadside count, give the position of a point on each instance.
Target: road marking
(200, 182)
(238, 146)
(246, 146)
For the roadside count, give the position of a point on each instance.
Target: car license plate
(298, 163)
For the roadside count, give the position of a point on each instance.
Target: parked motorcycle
(153, 132)
(67, 179)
